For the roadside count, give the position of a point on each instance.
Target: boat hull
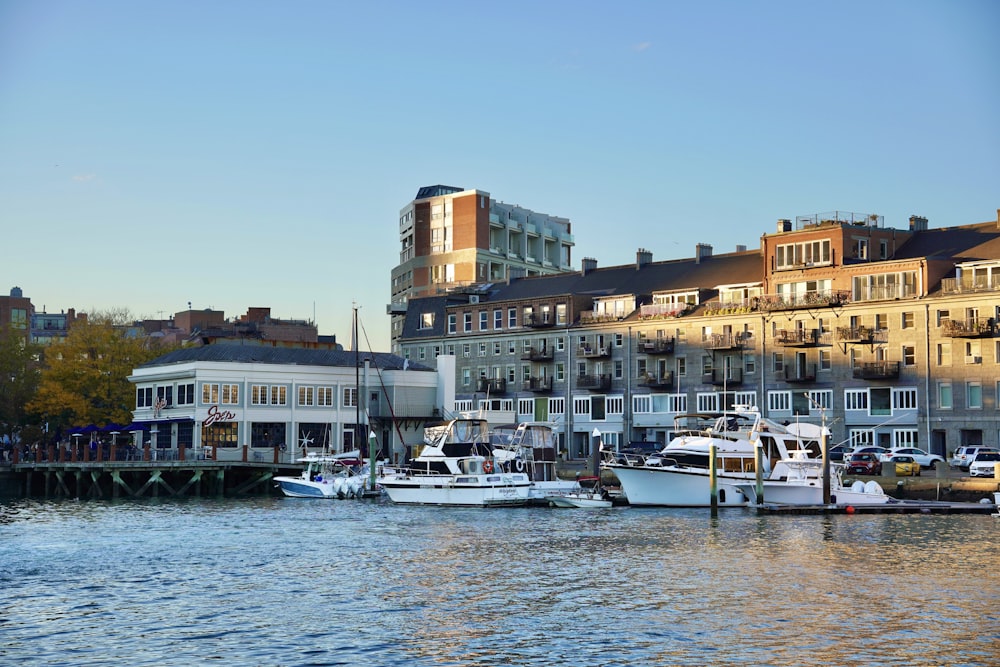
(461, 491)
(675, 487)
(294, 487)
(580, 500)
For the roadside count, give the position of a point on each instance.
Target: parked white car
(964, 456)
(920, 456)
(984, 464)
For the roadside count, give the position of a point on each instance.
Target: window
(466, 376)
(640, 367)
(258, 394)
(279, 395)
(496, 348)
(856, 399)
(185, 394)
(777, 362)
(466, 350)
(307, 396)
(619, 369)
(560, 344)
(944, 354)
(750, 364)
(498, 319)
(909, 355)
(974, 395)
(560, 372)
(209, 393)
(324, 396)
(482, 349)
(484, 320)
(779, 401)
(511, 347)
(350, 397)
(619, 338)
(511, 318)
(452, 323)
(681, 366)
(821, 399)
(467, 322)
(426, 320)
(615, 405)
(560, 313)
(944, 396)
(166, 395)
(825, 362)
(904, 399)
(907, 321)
(144, 397)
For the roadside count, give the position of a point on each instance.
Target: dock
(898, 507)
(140, 479)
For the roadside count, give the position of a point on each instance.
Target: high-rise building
(451, 238)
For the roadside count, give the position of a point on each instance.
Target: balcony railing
(656, 345)
(971, 284)
(593, 351)
(663, 381)
(862, 335)
(815, 299)
(492, 385)
(538, 321)
(805, 373)
(802, 337)
(878, 370)
(593, 382)
(537, 354)
(719, 377)
(539, 385)
(725, 341)
(971, 328)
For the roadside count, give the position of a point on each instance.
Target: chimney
(741, 248)
(587, 264)
(702, 251)
(918, 223)
(784, 226)
(642, 258)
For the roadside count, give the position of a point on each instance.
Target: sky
(236, 153)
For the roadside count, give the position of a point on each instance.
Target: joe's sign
(216, 415)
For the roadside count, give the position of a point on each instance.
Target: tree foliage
(84, 378)
(18, 380)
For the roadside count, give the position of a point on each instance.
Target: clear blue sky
(238, 153)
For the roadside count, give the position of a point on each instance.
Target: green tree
(18, 380)
(84, 379)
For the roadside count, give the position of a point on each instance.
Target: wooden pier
(143, 479)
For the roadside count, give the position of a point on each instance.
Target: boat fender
(487, 467)
(519, 464)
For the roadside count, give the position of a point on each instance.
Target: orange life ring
(487, 467)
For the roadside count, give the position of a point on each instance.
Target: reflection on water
(296, 582)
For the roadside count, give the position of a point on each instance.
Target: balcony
(537, 354)
(594, 382)
(862, 335)
(971, 328)
(656, 345)
(593, 351)
(816, 299)
(538, 321)
(966, 284)
(663, 382)
(802, 337)
(879, 370)
(538, 385)
(725, 341)
(492, 385)
(806, 373)
(719, 377)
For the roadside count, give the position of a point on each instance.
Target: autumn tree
(18, 381)
(84, 378)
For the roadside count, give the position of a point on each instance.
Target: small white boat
(326, 476)
(582, 499)
(798, 480)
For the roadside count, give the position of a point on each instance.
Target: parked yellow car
(905, 466)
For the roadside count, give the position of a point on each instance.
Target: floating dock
(898, 507)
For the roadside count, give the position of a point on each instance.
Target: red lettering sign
(217, 415)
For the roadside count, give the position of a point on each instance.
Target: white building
(255, 402)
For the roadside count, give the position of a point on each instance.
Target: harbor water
(275, 581)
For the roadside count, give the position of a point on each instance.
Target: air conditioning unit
(973, 360)
(473, 298)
